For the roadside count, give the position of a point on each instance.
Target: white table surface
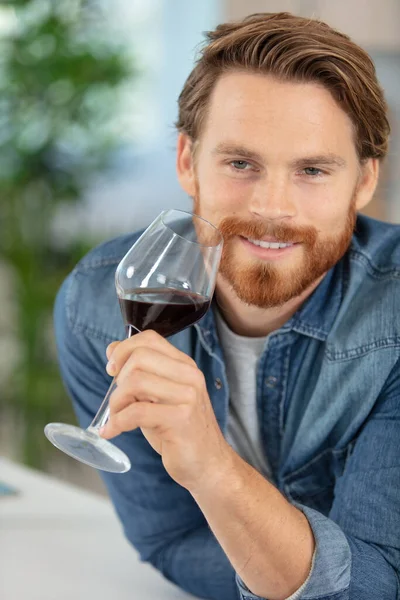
(58, 542)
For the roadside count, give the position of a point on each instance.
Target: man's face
(276, 170)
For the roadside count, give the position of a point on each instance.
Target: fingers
(150, 372)
(146, 360)
(110, 349)
(140, 386)
(121, 351)
(140, 414)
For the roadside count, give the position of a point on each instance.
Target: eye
(313, 171)
(240, 165)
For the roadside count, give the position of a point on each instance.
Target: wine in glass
(165, 282)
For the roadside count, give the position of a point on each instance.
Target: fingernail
(111, 367)
(102, 430)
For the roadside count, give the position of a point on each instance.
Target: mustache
(232, 226)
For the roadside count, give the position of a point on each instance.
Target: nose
(272, 199)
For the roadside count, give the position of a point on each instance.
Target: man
(264, 439)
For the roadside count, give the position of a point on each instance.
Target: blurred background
(88, 92)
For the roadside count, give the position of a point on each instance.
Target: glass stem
(103, 413)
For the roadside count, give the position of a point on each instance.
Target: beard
(262, 284)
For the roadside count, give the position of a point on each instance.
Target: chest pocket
(313, 485)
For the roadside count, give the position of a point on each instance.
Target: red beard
(265, 285)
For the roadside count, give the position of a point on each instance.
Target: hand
(161, 390)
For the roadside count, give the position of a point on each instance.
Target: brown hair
(291, 48)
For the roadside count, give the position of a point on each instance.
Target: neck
(252, 321)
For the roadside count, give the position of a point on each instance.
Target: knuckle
(190, 394)
(198, 377)
(191, 362)
(134, 363)
(150, 335)
(110, 348)
(134, 381)
(139, 356)
(133, 360)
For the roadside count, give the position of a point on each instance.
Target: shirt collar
(314, 318)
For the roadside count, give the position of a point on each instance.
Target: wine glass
(165, 282)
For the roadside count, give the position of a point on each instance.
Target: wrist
(221, 473)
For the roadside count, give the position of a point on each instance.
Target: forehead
(265, 112)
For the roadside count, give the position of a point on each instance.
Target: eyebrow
(329, 159)
(229, 149)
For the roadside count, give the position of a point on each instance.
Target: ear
(185, 165)
(367, 182)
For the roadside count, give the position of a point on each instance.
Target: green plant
(60, 81)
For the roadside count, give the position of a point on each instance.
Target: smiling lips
(270, 245)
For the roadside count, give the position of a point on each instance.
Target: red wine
(166, 311)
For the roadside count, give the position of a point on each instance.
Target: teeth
(272, 245)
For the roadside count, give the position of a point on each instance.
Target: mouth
(273, 245)
(268, 249)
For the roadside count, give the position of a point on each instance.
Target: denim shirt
(328, 406)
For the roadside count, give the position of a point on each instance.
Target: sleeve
(160, 518)
(297, 595)
(357, 554)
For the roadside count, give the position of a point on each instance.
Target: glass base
(88, 447)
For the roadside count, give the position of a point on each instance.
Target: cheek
(326, 207)
(221, 195)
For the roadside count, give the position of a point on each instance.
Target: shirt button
(271, 382)
(218, 383)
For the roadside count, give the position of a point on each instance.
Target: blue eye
(312, 171)
(240, 165)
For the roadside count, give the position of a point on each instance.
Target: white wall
(371, 23)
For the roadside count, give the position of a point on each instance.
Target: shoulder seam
(374, 270)
(358, 351)
(85, 330)
(105, 262)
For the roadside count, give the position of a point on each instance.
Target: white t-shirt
(242, 355)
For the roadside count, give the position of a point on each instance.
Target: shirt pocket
(313, 484)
